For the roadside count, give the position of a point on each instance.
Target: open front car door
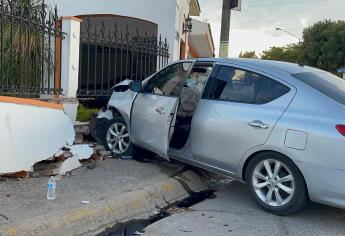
(152, 117)
(154, 110)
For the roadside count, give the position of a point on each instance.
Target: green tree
(290, 53)
(249, 54)
(22, 51)
(324, 45)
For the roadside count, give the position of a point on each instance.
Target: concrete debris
(20, 174)
(47, 144)
(46, 168)
(63, 162)
(31, 131)
(99, 148)
(82, 151)
(68, 165)
(38, 139)
(82, 132)
(106, 154)
(91, 166)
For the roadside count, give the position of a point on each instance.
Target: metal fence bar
(109, 59)
(117, 55)
(115, 37)
(103, 52)
(28, 34)
(11, 40)
(20, 46)
(2, 78)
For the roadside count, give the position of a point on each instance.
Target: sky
(254, 27)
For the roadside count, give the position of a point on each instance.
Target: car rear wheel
(276, 184)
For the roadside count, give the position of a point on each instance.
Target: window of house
(236, 85)
(170, 80)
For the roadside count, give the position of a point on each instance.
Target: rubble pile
(52, 144)
(65, 161)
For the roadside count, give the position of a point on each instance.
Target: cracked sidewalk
(116, 189)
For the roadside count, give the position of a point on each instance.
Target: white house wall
(161, 12)
(182, 11)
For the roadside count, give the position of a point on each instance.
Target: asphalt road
(233, 212)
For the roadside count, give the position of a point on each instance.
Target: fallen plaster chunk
(81, 152)
(30, 134)
(68, 165)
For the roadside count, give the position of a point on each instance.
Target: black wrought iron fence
(109, 55)
(30, 35)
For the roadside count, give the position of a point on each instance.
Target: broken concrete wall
(31, 133)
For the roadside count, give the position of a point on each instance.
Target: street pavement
(28, 198)
(233, 212)
(94, 198)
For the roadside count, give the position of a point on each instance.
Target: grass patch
(85, 113)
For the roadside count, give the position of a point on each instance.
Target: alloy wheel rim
(118, 138)
(273, 183)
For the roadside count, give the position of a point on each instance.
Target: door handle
(160, 110)
(258, 124)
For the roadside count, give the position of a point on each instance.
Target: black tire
(131, 150)
(297, 200)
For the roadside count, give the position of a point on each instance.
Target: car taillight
(341, 129)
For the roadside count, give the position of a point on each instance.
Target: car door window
(198, 77)
(170, 80)
(237, 85)
(192, 89)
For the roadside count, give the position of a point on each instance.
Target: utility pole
(228, 5)
(225, 29)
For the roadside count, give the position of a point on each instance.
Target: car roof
(260, 64)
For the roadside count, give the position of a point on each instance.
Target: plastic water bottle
(51, 195)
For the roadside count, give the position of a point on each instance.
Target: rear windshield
(327, 83)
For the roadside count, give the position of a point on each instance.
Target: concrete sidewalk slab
(118, 191)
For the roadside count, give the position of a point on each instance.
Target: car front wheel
(116, 137)
(276, 184)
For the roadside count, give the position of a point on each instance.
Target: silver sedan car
(278, 126)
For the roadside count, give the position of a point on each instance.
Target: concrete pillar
(70, 56)
(225, 29)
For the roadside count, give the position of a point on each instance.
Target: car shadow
(239, 193)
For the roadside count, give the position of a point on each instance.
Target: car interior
(189, 91)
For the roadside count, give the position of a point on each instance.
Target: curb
(96, 217)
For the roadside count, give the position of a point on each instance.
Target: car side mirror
(136, 86)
